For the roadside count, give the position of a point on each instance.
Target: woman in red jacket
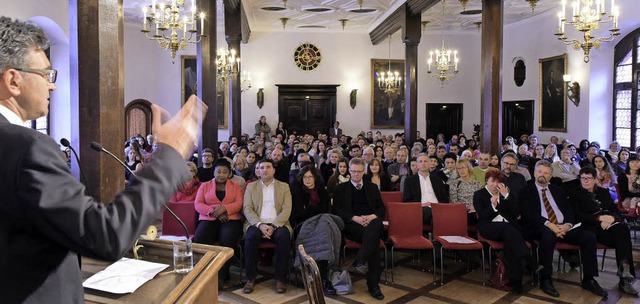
(187, 191)
(219, 203)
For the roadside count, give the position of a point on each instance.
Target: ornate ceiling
(325, 15)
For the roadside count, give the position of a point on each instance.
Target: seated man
(547, 217)
(400, 168)
(481, 169)
(425, 188)
(359, 204)
(267, 207)
(597, 213)
(566, 169)
(497, 212)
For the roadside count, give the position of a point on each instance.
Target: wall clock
(307, 57)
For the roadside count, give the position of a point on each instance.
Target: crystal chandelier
(227, 63)
(443, 61)
(586, 17)
(245, 81)
(166, 20)
(390, 82)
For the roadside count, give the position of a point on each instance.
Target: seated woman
(461, 189)
(620, 165)
(497, 220)
(605, 176)
(413, 170)
(187, 192)
(341, 175)
(376, 175)
(629, 184)
(310, 199)
(134, 162)
(596, 211)
(219, 203)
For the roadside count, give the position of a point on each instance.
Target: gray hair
(544, 163)
(17, 39)
(509, 154)
(356, 161)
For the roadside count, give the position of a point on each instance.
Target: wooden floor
(413, 285)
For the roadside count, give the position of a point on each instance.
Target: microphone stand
(96, 146)
(65, 142)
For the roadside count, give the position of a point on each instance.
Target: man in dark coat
(425, 188)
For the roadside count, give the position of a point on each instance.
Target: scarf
(314, 198)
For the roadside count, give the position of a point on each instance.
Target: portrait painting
(553, 94)
(387, 107)
(190, 86)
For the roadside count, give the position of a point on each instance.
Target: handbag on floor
(499, 279)
(341, 280)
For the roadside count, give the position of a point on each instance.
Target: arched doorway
(137, 118)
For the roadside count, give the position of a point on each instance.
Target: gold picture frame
(189, 85)
(553, 94)
(387, 111)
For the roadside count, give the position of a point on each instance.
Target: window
(626, 105)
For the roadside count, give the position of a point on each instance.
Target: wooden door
(307, 108)
(445, 118)
(517, 118)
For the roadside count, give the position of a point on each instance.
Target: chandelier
(245, 81)
(227, 63)
(443, 61)
(167, 20)
(390, 82)
(586, 17)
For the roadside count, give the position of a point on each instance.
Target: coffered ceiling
(325, 15)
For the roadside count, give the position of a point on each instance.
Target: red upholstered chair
(405, 230)
(451, 220)
(389, 197)
(494, 246)
(604, 252)
(349, 244)
(563, 246)
(186, 212)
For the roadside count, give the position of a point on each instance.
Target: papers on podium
(124, 276)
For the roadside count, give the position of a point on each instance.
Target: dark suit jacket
(412, 192)
(530, 207)
(301, 209)
(508, 208)
(332, 132)
(47, 219)
(342, 200)
(587, 209)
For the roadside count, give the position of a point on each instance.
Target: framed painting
(190, 86)
(387, 108)
(553, 94)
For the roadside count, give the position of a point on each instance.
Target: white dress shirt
(268, 212)
(426, 190)
(554, 206)
(11, 116)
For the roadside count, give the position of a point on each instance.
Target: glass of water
(182, 257)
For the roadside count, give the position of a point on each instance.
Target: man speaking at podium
(45, 218)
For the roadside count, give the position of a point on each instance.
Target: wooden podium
(198, 286)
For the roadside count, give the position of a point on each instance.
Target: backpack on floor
(499, 279)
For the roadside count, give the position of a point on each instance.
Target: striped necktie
(551, 215)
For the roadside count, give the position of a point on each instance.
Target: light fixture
(586, 17)
(227, 63)
(352, 98)
(166, 21)
(390, 82)
(284, 22)
(343, 22)
(533, 4)
(245, 81)
(464, 4)
(424, 25)
(260, 98)
(443, 61)
(573, 89)
(360, 3)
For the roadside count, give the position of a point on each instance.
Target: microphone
(65, 142)
(98, 147)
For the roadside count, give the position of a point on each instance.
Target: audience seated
(205, 172)
(189, 189)
(219, 203)
(483, 166)
(425, 189)
(462, 188)
(629, 184)
(606, 177)
(359, 204)
(377, 176)
(565, 168)
(341, 175)
(597, 213)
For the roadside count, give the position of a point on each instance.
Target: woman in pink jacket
(219, 204)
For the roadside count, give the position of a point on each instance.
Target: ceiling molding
(397, 20)
(246, 28)
(420, 6)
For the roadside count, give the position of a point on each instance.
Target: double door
(307, 109)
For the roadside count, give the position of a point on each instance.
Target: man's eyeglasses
(49, 75)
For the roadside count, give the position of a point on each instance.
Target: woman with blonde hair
(461, 189)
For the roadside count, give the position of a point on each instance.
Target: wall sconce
(260, 98)
(352, 98)
(573, 89)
